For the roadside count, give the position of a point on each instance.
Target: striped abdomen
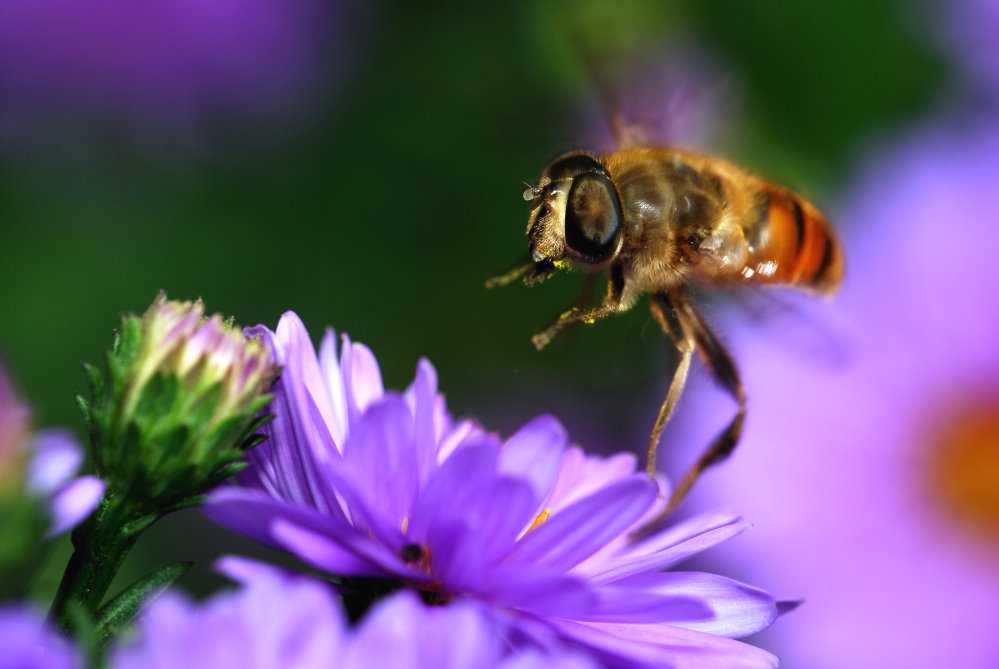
(792, 243)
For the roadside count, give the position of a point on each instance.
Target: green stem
(100, 545)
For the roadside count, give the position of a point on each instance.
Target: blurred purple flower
(882, 471)
(970, 27)
(43, 463)
(362, 483)
(175, 65)
(280, 620)
(29, 643)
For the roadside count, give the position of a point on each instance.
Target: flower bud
(178, 407)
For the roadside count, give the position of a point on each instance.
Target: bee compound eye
(593, 217)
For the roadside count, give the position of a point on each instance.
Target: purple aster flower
(280, 620)
(29, 643)
(881, 467)
(179, 66)
(43, 464)
(367, 484)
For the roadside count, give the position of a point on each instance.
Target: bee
(657, 220)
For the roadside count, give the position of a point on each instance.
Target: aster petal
(634, 605)
(580, 530)
(531, 659)
(289, 464)
(56, 457)
(422, 399)
(541, 592)
(255, 514)
(338, 551)
(734, 609)
(329, 364)
(467, 491)
(581, 475)
(534, 453)
(403, 633)
(300, 363)
(668, 547)
(74, 503)
(663, 645)
(380, 468)
(453, 438)
(458, 556)
(247, 571)
(362, 379)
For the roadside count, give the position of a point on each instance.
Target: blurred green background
(383, 214)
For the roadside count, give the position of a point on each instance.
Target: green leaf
(122, 610)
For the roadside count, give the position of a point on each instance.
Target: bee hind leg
(666, 313)
(686, 327)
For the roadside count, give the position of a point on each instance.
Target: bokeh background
(362, 164)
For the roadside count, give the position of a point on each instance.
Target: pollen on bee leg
(542, 517)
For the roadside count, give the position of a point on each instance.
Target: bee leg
(666, 313)
(587, 297)
(720, 363)
(523, 264)
(578, 314)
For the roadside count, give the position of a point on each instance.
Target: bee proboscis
(656, 220)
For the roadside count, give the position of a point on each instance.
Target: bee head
(576, 215)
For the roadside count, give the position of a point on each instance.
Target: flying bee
(657, 220)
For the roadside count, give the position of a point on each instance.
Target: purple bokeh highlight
(28, 642)
(277, 619)
(43, 464)
(180, 69)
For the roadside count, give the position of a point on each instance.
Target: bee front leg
(523, 265)
(580, 314)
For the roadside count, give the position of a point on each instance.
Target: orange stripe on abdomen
(794, 246)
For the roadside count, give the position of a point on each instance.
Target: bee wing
(789, 321)
(674, 96)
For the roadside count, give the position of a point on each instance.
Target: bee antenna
(532, 191)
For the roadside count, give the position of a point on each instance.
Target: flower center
(963, 466)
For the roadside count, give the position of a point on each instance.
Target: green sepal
(252, 441)
(229, 471)
(188, 503)
(134, 528)
(84, 407)
(258, 404)
(123, 609)
(94, 379)
(262, 419)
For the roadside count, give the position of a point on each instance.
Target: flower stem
(100, 545)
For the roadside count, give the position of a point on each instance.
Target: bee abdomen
(793, 245)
